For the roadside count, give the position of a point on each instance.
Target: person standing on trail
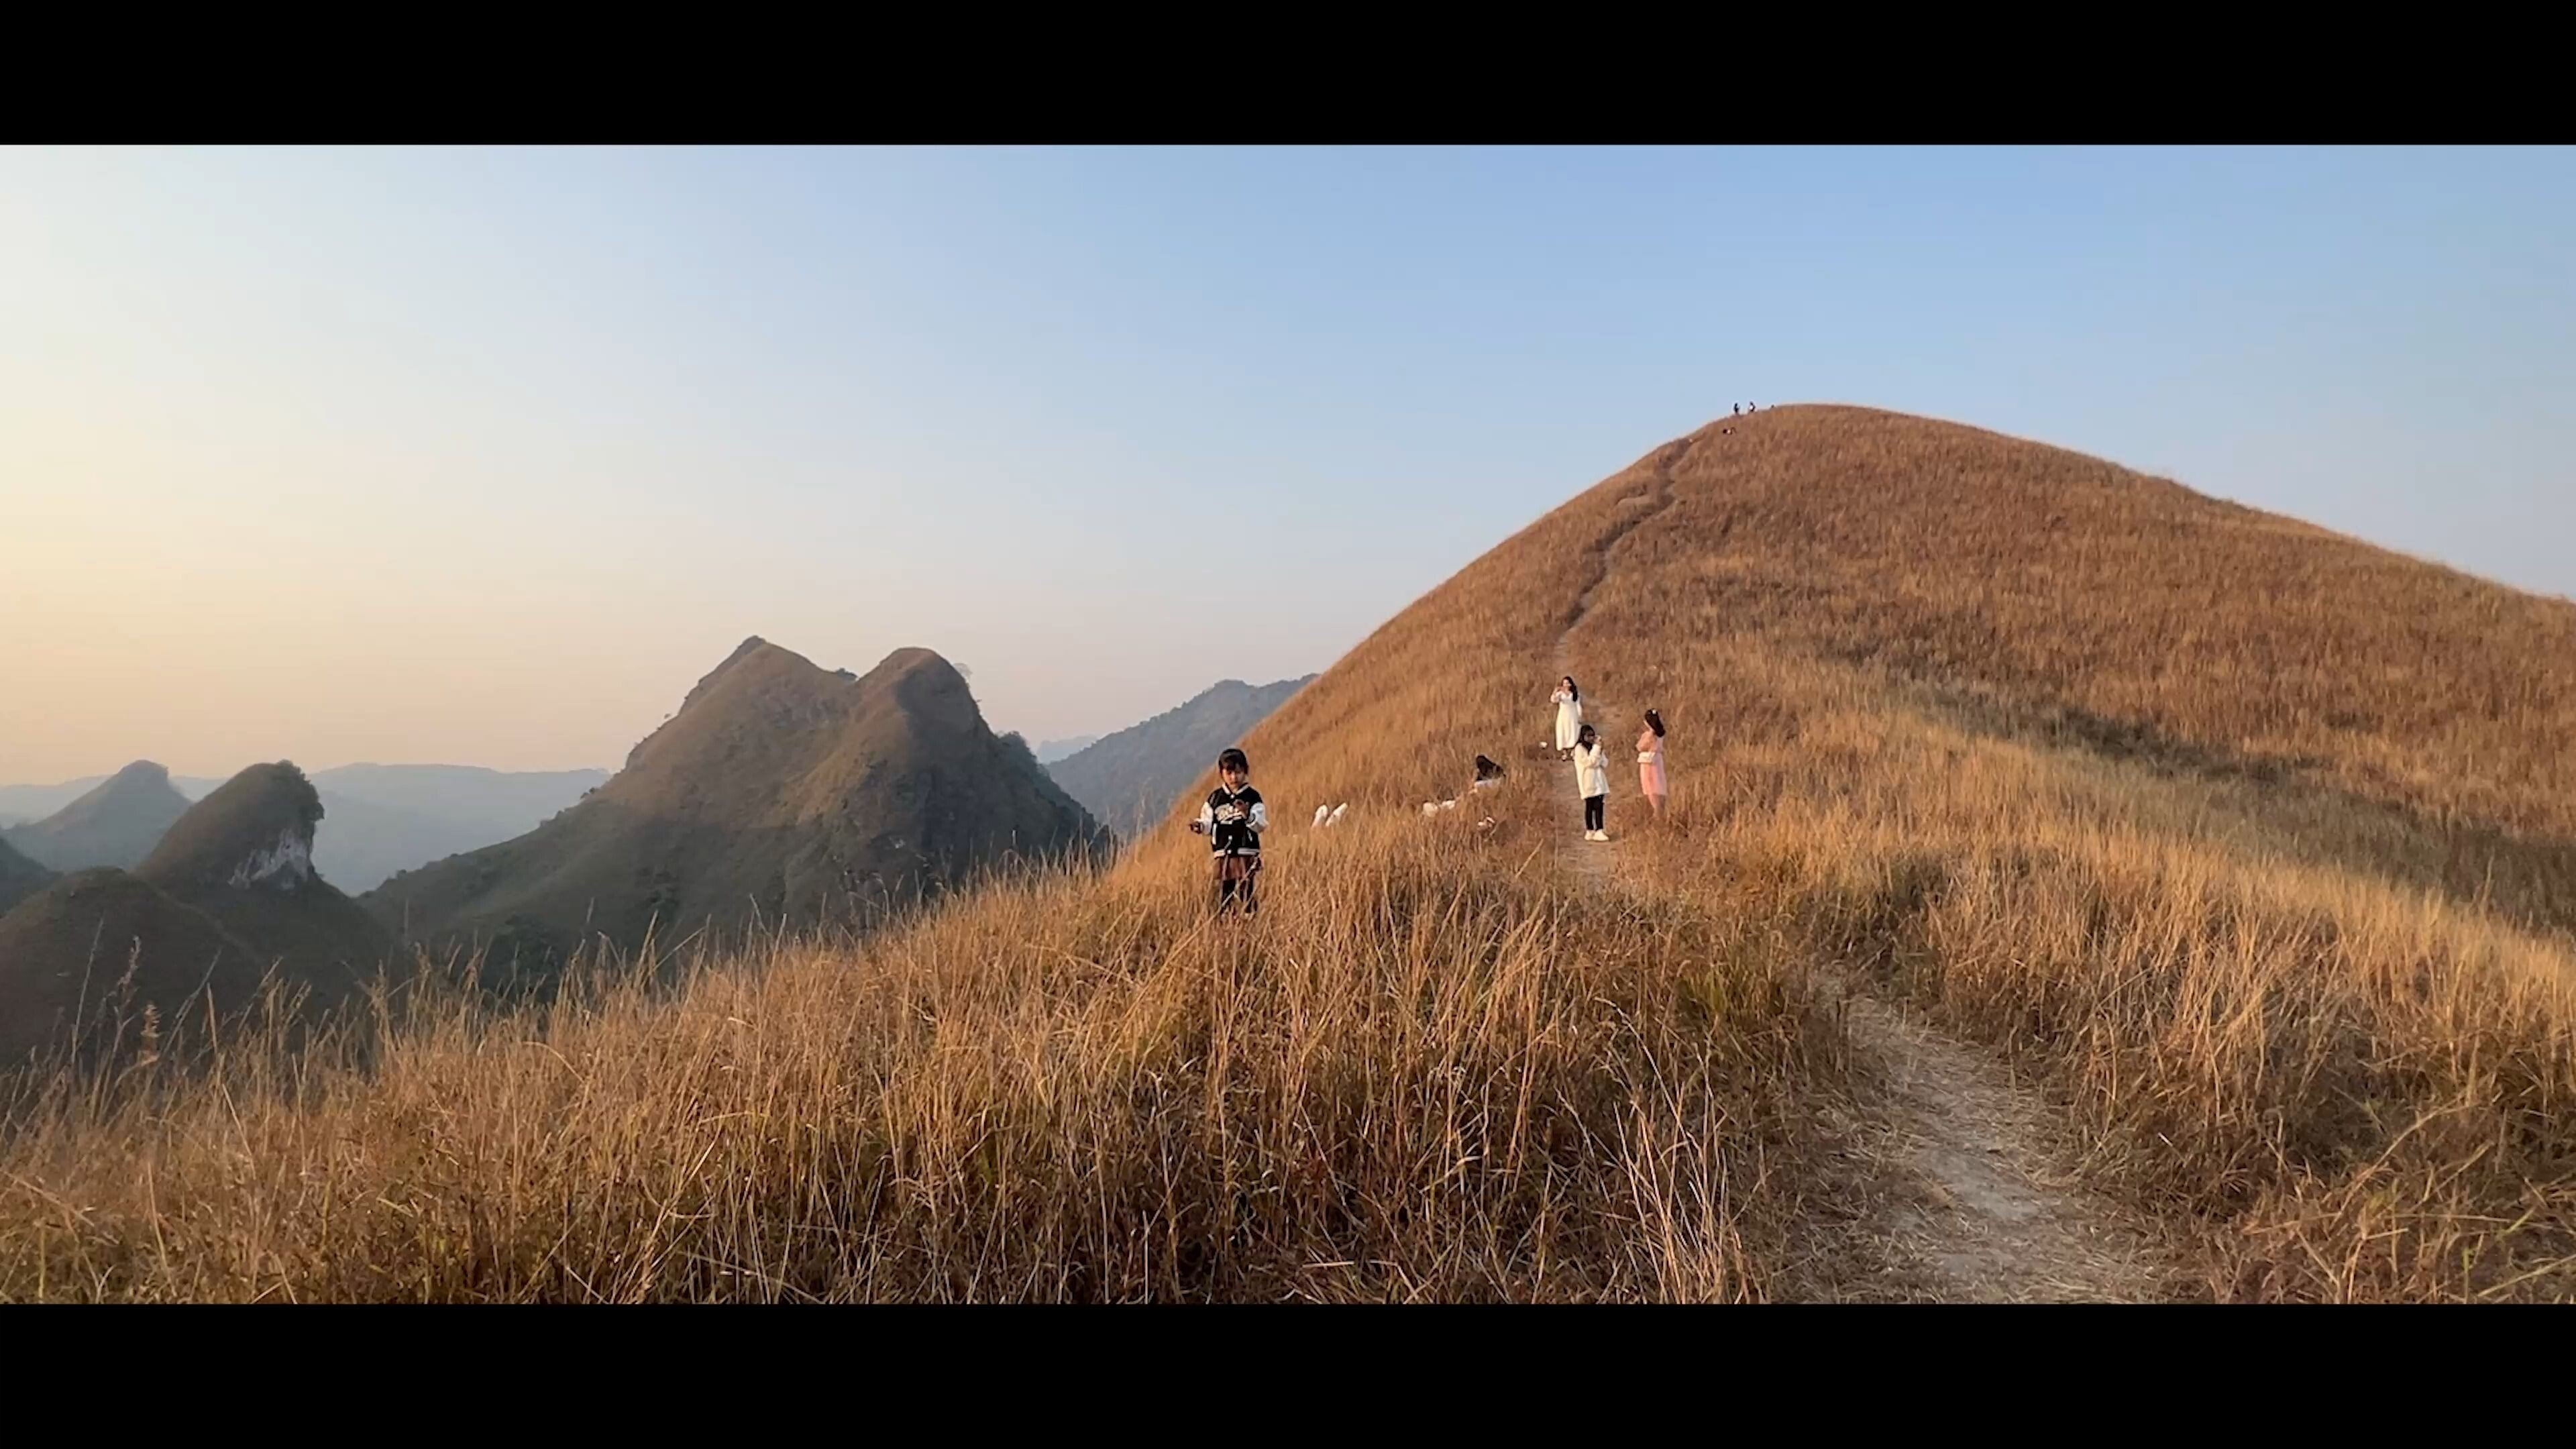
(1650, 762)
(1232, 820)
(1592, 781)
(1569, 716)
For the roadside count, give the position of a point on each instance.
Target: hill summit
(255, 832)
(116, 824)
(779, 791)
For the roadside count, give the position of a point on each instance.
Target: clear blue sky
(486, 456)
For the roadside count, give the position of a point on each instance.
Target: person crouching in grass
(1232, 820)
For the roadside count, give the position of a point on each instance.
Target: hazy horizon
(485, 458)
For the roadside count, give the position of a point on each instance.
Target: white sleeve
(1207, 814)
(1260, 815)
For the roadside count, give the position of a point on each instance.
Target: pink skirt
(1650, 777)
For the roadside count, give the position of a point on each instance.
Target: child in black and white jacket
(1233, 819)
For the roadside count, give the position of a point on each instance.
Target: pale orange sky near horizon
(485, 457)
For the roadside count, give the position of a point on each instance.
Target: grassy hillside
(1129, 779)
(101, 956)
(2245, 842)
(2254, 840)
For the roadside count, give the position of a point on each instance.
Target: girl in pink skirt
(1650, 762)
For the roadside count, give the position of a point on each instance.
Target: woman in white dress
(1569, 716)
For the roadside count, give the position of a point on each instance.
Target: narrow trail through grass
(1966, 1190)
(1986, 1207)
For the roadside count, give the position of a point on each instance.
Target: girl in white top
(1592, 781)
(1569, 716)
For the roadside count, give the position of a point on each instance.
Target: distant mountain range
(114, 822)
(377, 819)
(226, 901)
(1128, 779)
(1050, 751)
(780, 792)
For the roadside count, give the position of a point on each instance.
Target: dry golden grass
(2257, 845)
(2256, 842)
(1404, 1082)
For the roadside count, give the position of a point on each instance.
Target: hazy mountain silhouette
(517, 799)
(378, 819)
(779, 790)
(228, 897)
(1050, 751)
(1128, 779)
(115, 823)
(20, 804)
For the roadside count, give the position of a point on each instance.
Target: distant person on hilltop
(1592, 781)
(1232, 820)
(1650, 762)
(1569, 716)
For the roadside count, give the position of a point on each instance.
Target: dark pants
(1592, 810)
(1236, 875)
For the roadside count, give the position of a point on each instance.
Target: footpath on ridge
(1965, 1190)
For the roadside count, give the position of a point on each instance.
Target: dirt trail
(1963, 1191)
(1974, 1197)
(1590, 860)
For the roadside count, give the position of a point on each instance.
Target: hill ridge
(1128, 777)
(778, 790)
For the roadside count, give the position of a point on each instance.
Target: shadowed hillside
(19, 877)
(1127, 780)
(2236, 847)
(226, 902)
(115, 824)
(778, 792)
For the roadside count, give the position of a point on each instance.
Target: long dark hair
(1570, 689)
(1583, 736)
(1655, 722)
(1487, 769)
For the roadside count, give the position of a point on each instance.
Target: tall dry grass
(1421, 1074)
(2253, 843)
